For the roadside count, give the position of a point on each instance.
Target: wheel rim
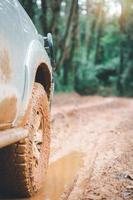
(37, 141)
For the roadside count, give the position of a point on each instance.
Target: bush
(86, 82)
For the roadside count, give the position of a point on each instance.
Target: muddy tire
(23, 165)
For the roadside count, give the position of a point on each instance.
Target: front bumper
(12, 135)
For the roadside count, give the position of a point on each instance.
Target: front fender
(36, 55)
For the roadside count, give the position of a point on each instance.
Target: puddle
(60, 174)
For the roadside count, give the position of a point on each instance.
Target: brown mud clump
(8, 115)
(5, 67)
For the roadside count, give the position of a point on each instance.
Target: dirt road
(102, 129)
(91, 149)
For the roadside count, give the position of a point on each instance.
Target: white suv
(25, 93)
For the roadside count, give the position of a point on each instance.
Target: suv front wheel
(23, 165)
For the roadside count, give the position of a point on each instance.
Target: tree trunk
(99, 32)
(56, 8)
(122, 22)
(66, 35)
(43, 17)
(68, 62)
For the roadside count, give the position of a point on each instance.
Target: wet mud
(61, 174)
(5, 67)
(9, 114)
(91, 149)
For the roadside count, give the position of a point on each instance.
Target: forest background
(93, 41)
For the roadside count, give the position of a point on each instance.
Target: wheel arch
(43, 76)
(38, 68)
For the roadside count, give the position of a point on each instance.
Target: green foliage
(59, 86)
(111, 41)
(86, 81)
(94, 51)
(106, 71)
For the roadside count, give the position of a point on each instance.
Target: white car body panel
(21, 52)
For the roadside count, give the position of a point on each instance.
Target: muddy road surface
(91, 149)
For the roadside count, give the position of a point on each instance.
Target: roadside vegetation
(93, 43)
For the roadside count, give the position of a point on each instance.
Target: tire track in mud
(78, 185)
(103, 104)
(108, 125)
(64, 118)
